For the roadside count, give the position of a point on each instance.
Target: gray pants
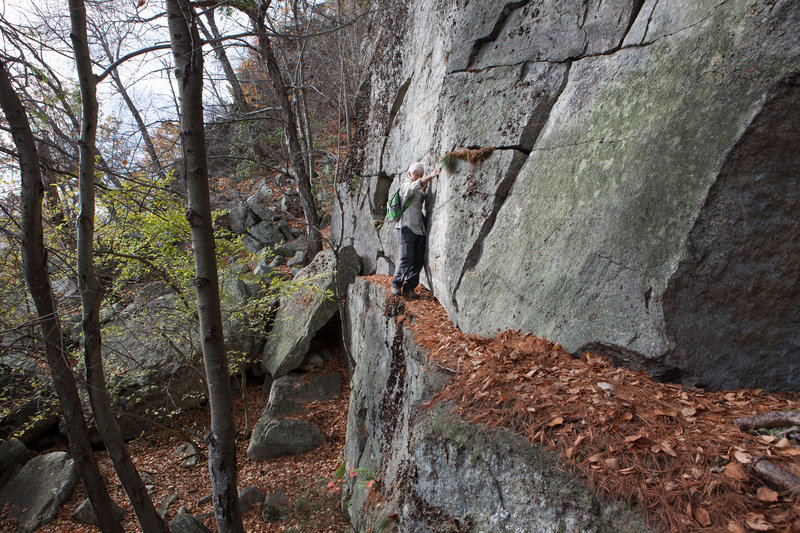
(412, 259)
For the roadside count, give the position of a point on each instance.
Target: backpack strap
(407, 203)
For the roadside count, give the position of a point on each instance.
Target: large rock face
(641, 199)
(35, 494)
(437, 472)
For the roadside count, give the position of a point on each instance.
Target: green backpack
(396, 207)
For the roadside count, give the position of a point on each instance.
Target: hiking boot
(396, 291)
(411, 295)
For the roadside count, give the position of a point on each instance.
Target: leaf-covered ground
(672, 451)
(312, 506)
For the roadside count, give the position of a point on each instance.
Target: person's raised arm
(424, 181)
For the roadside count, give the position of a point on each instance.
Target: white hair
(416, 168)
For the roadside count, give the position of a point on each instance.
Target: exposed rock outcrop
(641, 197)
(39, 489)
(434, 469)
(303, 313)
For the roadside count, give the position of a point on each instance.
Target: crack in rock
(528, 140)
(479, 43)
(398, 103)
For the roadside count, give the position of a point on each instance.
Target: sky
(147, 77)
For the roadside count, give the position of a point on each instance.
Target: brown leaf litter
(674, 452)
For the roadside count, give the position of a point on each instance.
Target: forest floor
(311, 504)
(672, 451)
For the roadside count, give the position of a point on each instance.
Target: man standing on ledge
(411, 231)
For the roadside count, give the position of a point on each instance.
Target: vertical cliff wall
(642, 196)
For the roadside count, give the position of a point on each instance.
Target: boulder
(274, 502)
(13, 455)
(289, 249)
(258, 209)
(430, 459)
(85, 513)
(153, 360)
(301, 315)
(285, 230)
(266, 233)
(187, 523)
(277, 437)
(297, 259)
(619, 212)
(248, 497)
(35, 416)
(38, 490)
(289, 393)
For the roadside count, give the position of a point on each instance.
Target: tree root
(768, 420)
(776, 476)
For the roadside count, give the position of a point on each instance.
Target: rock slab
(619, 212)
(277, 437)
(38, 490)
(437, 471)
(301, 315)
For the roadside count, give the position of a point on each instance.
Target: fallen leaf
(757, 522)
(734, 527)
(768, 439)
(557, 421)
(701, 515)
(783, 443)
(765, 494)
(611, 463)
(627, 417)
(667, 447)
(743, 457)
(688, 412)
(735, 471)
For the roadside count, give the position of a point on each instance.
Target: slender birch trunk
(186, 47)
(91, 293)
(38, 281)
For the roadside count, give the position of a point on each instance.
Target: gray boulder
(289, 393)
(301, 315)
(152, 350)
(273, 505)
(248, 497)
(289, 249)
(429, 458)
(297, 259)
(187, 523)
(13, 455)
(23, 380)
(277, 437)
(39, 489)
(261, 212)
(85, 513)
(266, 233)
(285, 230)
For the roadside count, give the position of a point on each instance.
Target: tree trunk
(186, 47)
(91, 293)
(38, 281)
(155, 162)
(212, 33)
(298, 162)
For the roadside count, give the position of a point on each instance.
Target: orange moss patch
(672, 451)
